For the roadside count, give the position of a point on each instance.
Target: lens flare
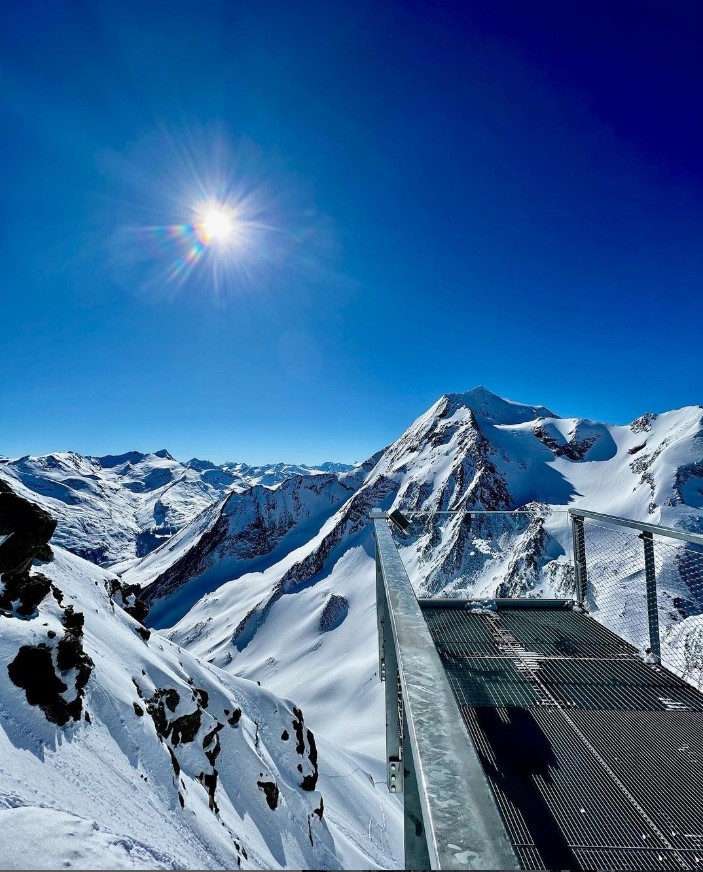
(216, 216)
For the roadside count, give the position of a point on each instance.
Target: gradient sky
(486, 192)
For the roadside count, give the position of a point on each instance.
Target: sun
(217, 225)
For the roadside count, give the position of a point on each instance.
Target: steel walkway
(594, 757)
(525, 734)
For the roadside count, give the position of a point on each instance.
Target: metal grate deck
(595, 757)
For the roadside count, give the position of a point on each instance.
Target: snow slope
(159, 760)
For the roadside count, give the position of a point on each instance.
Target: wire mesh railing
(476, 554)
(646, 586)
(642, 581)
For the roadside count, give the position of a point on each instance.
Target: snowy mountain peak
(110, 461)
(163, 453)
(497, 410)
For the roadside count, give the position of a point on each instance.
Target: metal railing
(480, 553)
(645, 583)
(451, 817)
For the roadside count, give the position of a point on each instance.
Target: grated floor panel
(595, 757)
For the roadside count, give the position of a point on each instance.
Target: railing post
(652, 605)
(580, 570)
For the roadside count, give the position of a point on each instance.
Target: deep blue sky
(504, 193)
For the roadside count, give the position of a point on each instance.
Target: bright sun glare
(217, 224)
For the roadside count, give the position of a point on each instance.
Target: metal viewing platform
(526, 733)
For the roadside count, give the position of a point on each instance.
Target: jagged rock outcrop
(54, 672)
(28, 528)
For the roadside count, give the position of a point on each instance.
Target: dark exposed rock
(183, 729)
(57, 594)
(73, 621)
(575, 450)
(24, 590)
(33, 671)
(643, 424)
(51, 634)
(285, 735)
(270, 789)
(209, 781)
(70, 655)
(213, 739)
(68, 651)
(298, 727)
(233, 720)
(28, 528)
(143, 632)
(525, 562)
(155, 707)
(334, 612)
(44, 554)
(174, 762)
(310, 781)
(167, 698)
(127, 596)
(201, 696)
(321, 810)
(138, 710)
(171, 698)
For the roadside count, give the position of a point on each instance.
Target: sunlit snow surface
(104, 794)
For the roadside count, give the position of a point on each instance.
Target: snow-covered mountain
(122, 750)
(116, 508)
(277, 585)
(292, 604)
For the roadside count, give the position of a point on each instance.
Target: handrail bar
(655, 529)
(461, 820)
(413, 513)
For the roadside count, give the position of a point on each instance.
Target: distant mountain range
(118, 507)
(267, 573)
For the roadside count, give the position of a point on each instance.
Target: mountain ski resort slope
(261, 590)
